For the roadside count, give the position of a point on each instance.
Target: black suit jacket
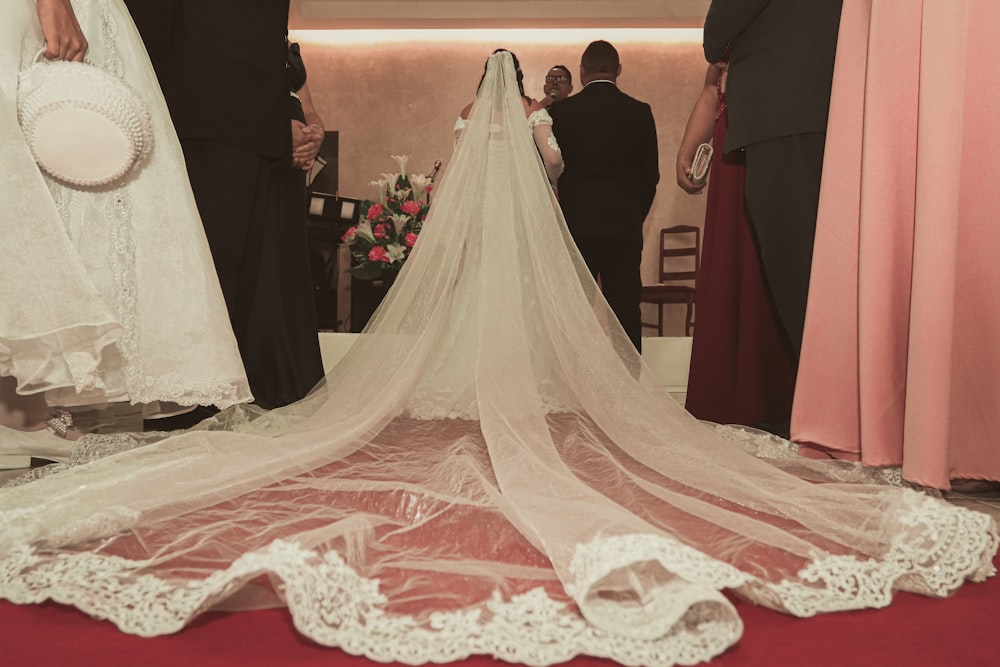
(608, 142)
(221, 64)
(780, 65)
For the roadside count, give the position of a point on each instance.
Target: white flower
(399, 220)
(396, 252)
(401, 161)
(391, 181)
(365, 230)
(380, 185)
(419, 183)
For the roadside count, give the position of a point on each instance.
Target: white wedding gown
(106, 294)
(490, 470)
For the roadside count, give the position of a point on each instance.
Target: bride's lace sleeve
(540, 123)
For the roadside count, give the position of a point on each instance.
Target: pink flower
(349, 235)
(410, 207)
(374, 211)
(380, 231)
(378, 254)
(410, 239)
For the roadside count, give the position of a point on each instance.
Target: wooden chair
(676, 283)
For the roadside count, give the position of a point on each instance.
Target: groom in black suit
(221, 65)
(608, 142)
(780, 55)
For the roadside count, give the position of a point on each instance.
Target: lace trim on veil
(958, 545)
(335, 606)
(680, 620)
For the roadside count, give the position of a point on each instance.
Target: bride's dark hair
(517, 68)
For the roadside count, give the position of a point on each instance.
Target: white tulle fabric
(490, 470)
(108, 294)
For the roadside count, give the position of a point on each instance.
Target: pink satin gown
(901, 359)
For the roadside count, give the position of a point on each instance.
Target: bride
(482, 474)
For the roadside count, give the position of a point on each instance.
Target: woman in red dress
(742, 371)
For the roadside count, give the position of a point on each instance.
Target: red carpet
(961, 631)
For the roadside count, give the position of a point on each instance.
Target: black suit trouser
(782, 193)
(232, 189)
(615, 262)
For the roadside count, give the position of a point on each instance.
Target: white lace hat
(84, 126)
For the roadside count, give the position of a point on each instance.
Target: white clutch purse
(84, 126)
(701, 163)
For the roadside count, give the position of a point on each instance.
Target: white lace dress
(490, 470)
(108, 294)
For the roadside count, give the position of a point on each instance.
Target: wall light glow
(550, 36)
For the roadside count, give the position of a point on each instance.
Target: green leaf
(367, 271)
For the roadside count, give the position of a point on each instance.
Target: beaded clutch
(701, 163)
(84, 126)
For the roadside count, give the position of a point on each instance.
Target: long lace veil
(490, 470)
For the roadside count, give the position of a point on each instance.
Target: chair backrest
(676, 242)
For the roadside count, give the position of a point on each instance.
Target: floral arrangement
(384, 239)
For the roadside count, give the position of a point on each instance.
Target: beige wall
(403, 98)
(409, 14)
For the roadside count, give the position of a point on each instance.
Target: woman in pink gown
(900, 360)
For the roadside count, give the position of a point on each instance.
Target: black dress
(282, 351)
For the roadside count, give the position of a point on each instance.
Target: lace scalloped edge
(90, 447)
(764, 445)
(175, 388)
(334, 606)
(947, 546)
